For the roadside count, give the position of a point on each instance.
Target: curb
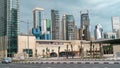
(66, 62)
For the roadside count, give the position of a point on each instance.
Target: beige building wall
(63, 46)
(116, 49)
(52, 45)
(25, 42)
(3, 46)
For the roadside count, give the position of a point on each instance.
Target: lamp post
(27, 36)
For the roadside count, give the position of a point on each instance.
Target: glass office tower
(55, 18)
(85, 26)
(68, 27)
(8, 27)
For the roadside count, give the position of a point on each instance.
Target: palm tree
(67, 51)
(93, 51)
(90, 49)
(43, 53)
(79, 50)
(47, 52)
(59, 51)
(72, 51)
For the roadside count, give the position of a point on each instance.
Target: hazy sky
(100, 11)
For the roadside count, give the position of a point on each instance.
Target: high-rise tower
(41, 27)
(98, 32)
(68, 27)
(37, 22)
(8, 27)
(55, 24)
(46, 29)
(85, 26)
(115, 24)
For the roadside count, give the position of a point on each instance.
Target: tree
(43, 53)
(67, 51)
(59, 51)
(72, 51)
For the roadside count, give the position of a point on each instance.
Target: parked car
(7, 60)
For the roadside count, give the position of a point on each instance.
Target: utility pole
(28, 37)
(27, 49)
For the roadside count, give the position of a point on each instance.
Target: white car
(6, 60)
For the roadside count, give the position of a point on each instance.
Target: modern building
(118, 33)
(46, 29)
(110, 35)
(8, 27)
(51, 48)
(37, 22)
(60, 48)
(26, 46)
(55, 24)
(85, 26)
(98, 32)
(76, 33)
(115, 24)
(41, 27)
(68, 27)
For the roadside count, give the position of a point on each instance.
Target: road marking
(7, 67)
(95, 67)
(105, 67)
(48, 67)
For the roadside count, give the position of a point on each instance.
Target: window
(108, 49)
(28, 51)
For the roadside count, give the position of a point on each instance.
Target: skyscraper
(98, 32)
(68, 27)
(46, 29)
(55, 24)
(84, 29)
(118, 33)
(37, 22)
(8, 27)
(115, 24)
(41, 27)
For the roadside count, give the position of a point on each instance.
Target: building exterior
(55, 24)
(98, 32)
(76, 33)
(46, 29)
(118, 33)
(41, 27)
(8, 27)
(68, 27)
(51, 48)
(26, 45)
(29, 46)
(37, 22)
(110, 35)
(115, 24)
(85, 26)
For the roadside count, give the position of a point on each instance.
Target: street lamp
(27, 36)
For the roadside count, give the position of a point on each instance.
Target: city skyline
(99, 11)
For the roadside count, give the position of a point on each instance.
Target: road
(18, 65)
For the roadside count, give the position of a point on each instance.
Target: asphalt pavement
(19, 65)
